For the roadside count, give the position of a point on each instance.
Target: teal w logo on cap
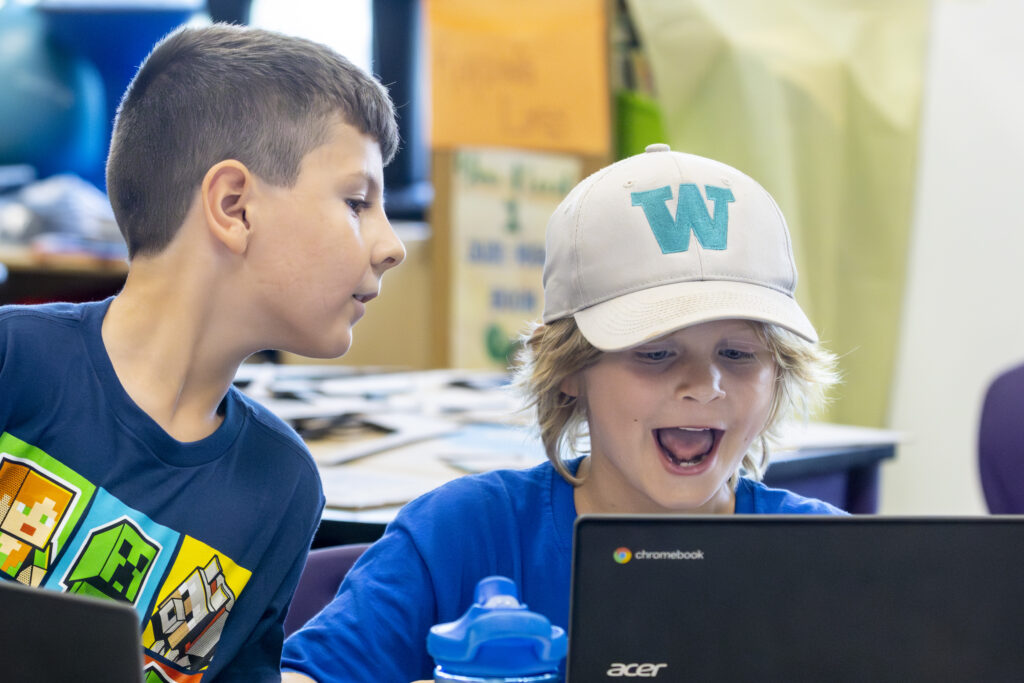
(673, 235)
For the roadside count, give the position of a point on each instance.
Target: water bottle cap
(497, 636)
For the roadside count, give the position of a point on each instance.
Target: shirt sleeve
(756, 498)
(259, 657)
(423, 571)
(375, 628)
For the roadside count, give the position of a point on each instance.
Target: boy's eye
(736, 354)
(653, 356)
(357, 205)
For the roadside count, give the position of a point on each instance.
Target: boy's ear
(225, 191)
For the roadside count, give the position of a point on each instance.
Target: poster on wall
(530, 74)
(501, 200)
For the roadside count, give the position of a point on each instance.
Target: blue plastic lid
(497, 636)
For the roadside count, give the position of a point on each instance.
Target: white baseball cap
(663, 240)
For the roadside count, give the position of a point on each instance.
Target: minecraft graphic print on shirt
(58, 531)
(193, 605)
(118, 553)
(38, 507)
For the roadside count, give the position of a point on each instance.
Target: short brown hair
(206, 94)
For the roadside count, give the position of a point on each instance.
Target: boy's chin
(335, 352)
(326, 347)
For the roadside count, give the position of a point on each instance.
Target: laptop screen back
(797, 598)
(49, 636)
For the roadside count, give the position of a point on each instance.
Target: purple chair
(1001, 443)
(325, 568)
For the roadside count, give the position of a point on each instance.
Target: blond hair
(554, 351)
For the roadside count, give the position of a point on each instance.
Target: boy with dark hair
(246, 174)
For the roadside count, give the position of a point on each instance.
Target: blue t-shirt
(206, 539)
(424, 570)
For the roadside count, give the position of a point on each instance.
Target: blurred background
(889, 133)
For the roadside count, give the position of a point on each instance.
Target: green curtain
(818, 100)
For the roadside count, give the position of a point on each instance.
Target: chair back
(324, 571)
(1001, 443)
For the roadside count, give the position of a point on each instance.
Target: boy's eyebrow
(744, 342)
(372, 181)
(740, 339)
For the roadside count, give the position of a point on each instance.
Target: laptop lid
(49, 636)
(797, 598)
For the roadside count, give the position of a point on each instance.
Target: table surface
(372, 489)
(382, 438)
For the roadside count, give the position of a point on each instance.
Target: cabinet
(26, 277)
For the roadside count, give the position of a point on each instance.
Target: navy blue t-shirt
(205, 539)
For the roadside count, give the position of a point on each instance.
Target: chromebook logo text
(624, 555)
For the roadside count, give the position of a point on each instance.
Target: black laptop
(48, 636)
(739, 598)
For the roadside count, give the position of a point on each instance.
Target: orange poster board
(529, 74)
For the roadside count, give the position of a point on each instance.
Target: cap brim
(635, 318)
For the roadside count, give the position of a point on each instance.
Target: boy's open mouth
(687, 446)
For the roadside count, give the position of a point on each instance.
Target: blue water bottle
(497, 640)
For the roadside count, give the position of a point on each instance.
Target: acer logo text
(645, 670)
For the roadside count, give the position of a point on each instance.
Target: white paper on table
(320, 407)
(485, 447)
(398, 429)
(355, 489)
(370, 385)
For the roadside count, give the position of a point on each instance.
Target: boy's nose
(389, 250)
(701, 382)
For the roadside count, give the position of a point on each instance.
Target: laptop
(797, 598)
(48, 636)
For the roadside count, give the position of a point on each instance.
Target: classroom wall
(963, 318)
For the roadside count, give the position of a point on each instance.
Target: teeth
(687, 463)
(692, 429)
